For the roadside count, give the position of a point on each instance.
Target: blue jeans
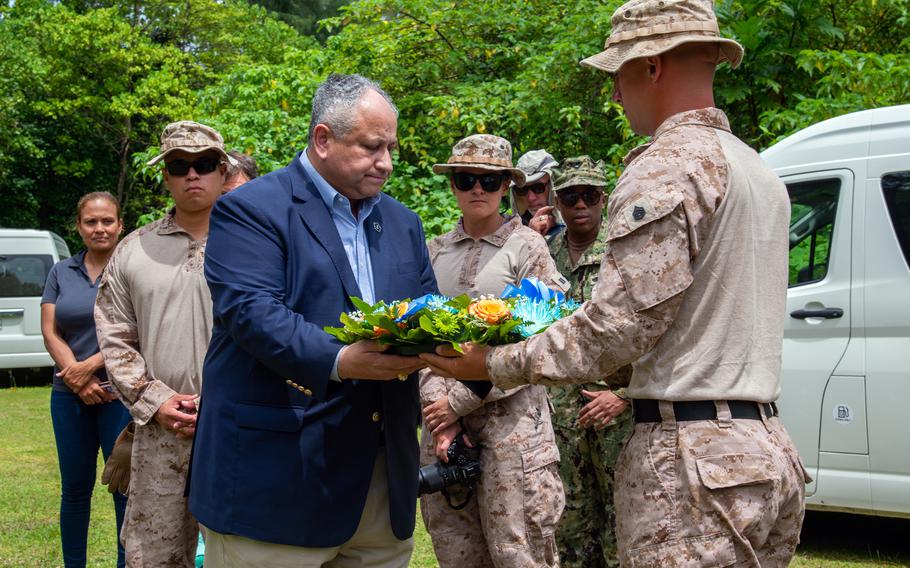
(79, 430)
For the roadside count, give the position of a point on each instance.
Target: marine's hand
(172, 416)
(439, 415)
(469, 366)
(445, 438)
(543, 221)
(366, 360)
(603, 407)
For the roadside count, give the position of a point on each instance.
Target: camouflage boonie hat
(484, 152)
(535, 164)
(190, 137)
(579, 171)
(642, 28)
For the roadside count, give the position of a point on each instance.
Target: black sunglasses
(490, 183)
(537, 188)
(570, 198)
(201, 166)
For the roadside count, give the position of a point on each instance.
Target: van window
(896, 189)
(813, 208)
(23, 275)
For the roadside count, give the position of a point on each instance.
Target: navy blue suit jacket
(270, 461)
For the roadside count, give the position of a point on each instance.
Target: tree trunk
(124, 159)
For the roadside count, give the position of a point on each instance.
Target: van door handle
(13, 313)
(827, 313)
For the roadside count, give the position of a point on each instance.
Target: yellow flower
(492, 311)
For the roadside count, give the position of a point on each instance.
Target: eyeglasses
(490, 183)
(570, 198)
(201, 166)
(537, 188)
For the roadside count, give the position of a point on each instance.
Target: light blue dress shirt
(351, 230)
(353, 235)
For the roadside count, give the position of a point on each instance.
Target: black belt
(687, 411)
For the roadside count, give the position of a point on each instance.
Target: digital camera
(463, 468)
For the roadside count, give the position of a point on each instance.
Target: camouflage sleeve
(639, 291)
(464, 401)
(118, 340)
(432, 387)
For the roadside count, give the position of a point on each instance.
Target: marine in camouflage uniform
(692, 290)
(153, 315)
(586, 536)
(511, 520)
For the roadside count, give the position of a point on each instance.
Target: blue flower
(431, 301)
(536, 316)
(534, 290)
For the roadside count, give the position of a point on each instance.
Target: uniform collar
(169, 226)
(710, 117)
(589, 257)
(496, 239)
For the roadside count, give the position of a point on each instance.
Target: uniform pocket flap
(707, 551)
(540, 456)
(639, 212)
(273, 418)
(733, 470)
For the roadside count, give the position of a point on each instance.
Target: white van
(26, 257)
(846, 357)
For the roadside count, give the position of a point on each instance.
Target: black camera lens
(430, 479)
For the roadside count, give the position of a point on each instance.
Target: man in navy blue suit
(306, 451)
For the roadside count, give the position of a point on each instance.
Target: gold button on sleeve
(377, 417)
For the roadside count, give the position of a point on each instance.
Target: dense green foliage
(86, 86)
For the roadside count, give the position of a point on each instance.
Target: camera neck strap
(464, 503)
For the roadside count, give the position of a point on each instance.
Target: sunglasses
(490, 183)
(570, 198)
(201, 166)
(537, 188)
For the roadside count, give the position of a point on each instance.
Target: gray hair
(335, 99)
(243, 163)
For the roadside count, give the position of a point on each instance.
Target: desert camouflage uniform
(154, 319)
(704, 493)
(511, 521)
(586, 535)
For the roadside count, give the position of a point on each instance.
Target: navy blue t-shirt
(68, 287)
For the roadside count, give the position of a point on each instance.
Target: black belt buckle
(647, 410)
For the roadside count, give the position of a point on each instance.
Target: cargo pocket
(707, 551)
(543, 501)
(742, 488)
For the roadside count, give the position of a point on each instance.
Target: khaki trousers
(709, 493)
(373, 545)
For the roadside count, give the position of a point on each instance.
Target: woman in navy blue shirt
(85, 413)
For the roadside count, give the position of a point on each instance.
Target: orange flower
(399, 309)
(379, 332)
(492, 311)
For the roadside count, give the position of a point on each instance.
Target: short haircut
(335, 100)
(245, 164)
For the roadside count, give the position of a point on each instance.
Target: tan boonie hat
(190, 137)
(579, 171)
(535, 164)
(484, 152)
(642, 28)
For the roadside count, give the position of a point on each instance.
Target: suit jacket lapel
(316, 217)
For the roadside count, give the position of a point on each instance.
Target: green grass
(29, 502)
